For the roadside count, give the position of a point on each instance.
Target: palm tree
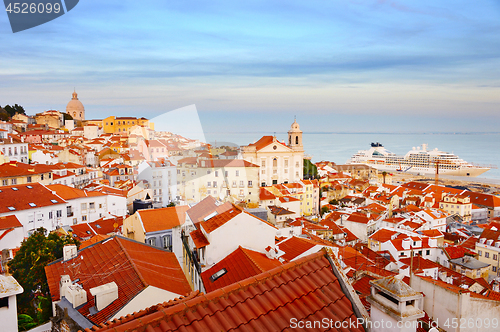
(384, 174)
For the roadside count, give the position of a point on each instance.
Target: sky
(338, 66)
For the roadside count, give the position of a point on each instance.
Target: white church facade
(279, 162)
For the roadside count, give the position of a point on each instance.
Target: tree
(384, 174)
(310, 170)
(324, 210)
(171, 204)
(28, 267)
(12, 110)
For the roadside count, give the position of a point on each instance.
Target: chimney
(104, 295)
(406, 244)
(69, 252)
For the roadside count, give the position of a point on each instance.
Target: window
(234, 184)
(84, 206)
(84, 218)
(167, 242)
(92, 205)
(14, 181)
(28, 179)
(4, 302)
(215, 184)
(494, 268)
(59, 213)
(226, 174)
(216, 174)
(249, 184)
(479, 252)
(427, 252)
(209, 184)
(286, 162)
(51, 215)
(487, 254)
(275, 162)
(495, 257)
(6, 182)
(237, 173)
(263, 163)
(151, 241)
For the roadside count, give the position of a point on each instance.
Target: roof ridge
(227, 290)
(280, 306)
(131, 261)
(244, 250)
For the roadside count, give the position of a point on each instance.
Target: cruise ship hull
(417, 161)
(472, 172)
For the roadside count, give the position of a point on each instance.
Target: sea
(477, 148)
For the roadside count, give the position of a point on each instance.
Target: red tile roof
(295, 246)
(7, 222)
(358, 218)
(155, 220)
(92, 240)
(266, 195)
(220, 219)
(19, 197)
(265, 141)
(131, 265)
(457, 252)
(303, 290)
(68, 193)
(199, 238)
(240, 264)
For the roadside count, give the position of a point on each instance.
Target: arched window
(275, 162)
(290, 140)
(297, 140)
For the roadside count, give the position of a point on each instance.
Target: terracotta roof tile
(19, 197)
(220, 219)
(240, 264)
(162, 219)
(131, 265)
(199, 238)
(295, 246)
(306, 290)
(7, 222)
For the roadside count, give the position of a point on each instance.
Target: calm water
(481, 149)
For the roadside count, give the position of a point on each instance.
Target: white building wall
(147, 298)
(243, 230)
(46, 217)
(13, 239)
(8, 316)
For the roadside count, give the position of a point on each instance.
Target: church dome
(75, 108)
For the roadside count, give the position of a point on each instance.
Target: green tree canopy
(28, 267)
(12, 110)
(310, 170)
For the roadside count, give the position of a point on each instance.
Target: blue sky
(254, 65)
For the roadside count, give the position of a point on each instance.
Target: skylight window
(32, 204)
(54, 201)
(15, 189)
(29, 187)
(218, 274)
(11, 208)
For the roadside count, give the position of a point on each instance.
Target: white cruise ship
(416, 161)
